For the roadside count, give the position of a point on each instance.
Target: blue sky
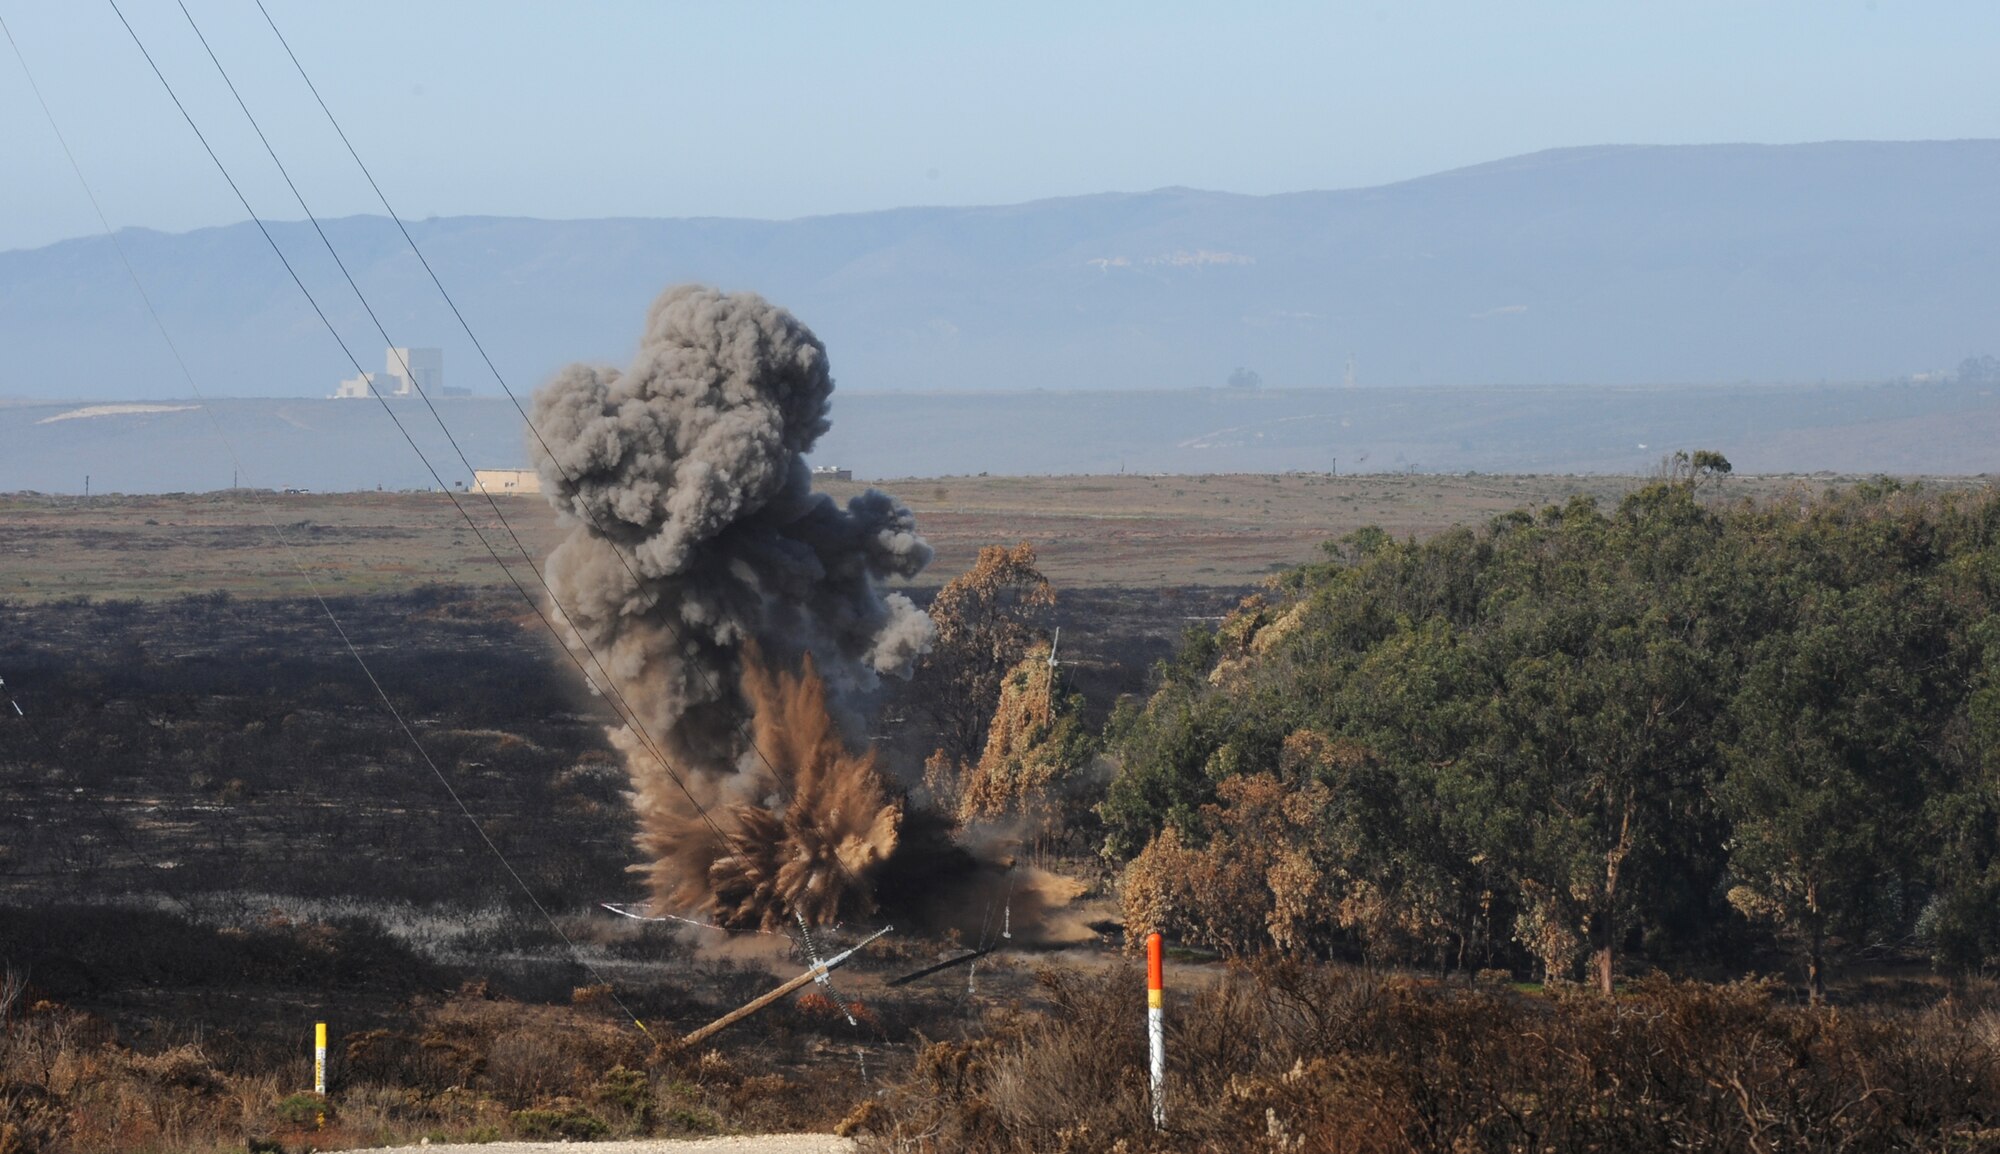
(781, 110)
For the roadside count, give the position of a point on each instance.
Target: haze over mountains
(1600, 266)
(1577, 311)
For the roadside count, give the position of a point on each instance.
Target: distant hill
(1611, 265)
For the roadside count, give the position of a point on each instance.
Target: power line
(631, 715)
(291, 550)
(390, 411)
(548, 451)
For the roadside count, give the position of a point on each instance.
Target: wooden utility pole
(812, 974)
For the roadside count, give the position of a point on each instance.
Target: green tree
(1573, 732)
(1691, 469)
(1835, 718)
(1598, 730)
(1961, 820)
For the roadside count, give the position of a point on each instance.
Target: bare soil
(1121, 530)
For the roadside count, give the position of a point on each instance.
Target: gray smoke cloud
(699, 554)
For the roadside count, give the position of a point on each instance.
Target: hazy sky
(780, 110)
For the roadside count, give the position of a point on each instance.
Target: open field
(211, 835)
(1228, 530)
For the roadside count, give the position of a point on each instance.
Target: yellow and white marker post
(319, 1058)
(1156, 1027)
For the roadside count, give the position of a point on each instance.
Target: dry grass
(1310, 1059)
(471, 1068)
(1099, 530)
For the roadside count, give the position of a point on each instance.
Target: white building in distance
(507, 482)
(425, 371)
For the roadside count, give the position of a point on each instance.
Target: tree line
(1683, 732)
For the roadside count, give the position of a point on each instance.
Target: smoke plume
(738, 613)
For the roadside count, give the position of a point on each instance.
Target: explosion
(738, 615)
(837, 826)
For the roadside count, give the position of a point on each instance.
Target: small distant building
(504, 482)
(425, 371)
(359, 386)
(832, 473)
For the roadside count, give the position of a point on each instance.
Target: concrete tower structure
(426, 371)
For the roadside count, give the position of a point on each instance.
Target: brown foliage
(1295, 1058)
(986, 619)
(1254, 883)
(64, 1087)
(1263, 867)
(1031, 750)
(944, 781)
(473, 1066)
(1250, 631)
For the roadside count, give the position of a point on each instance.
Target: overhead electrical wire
(630, 715)
(625, 713)
(290, 549)
(588, 514)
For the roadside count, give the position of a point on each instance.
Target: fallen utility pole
(815, 972)
(948, 963)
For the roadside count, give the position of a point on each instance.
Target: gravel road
(749, 1144)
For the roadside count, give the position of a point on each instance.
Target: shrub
(625, 1093)
(303, 1110)
(560, 1118)
(1311, 1059)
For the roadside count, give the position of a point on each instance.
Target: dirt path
(741, 1144)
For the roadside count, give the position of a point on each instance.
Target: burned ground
(206, 745)
(212, 829)
(212, 834)
(193, 768)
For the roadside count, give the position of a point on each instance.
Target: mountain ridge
(1604, 264)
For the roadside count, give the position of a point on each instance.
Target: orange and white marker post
(1156, 1027)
